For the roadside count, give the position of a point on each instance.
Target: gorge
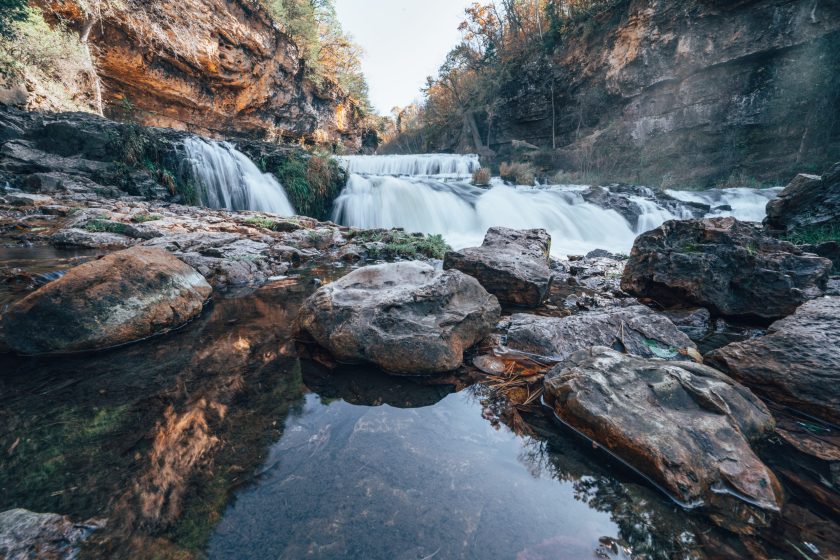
(234, 323)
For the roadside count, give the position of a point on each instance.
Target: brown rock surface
(120, 298)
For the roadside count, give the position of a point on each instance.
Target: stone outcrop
(408, 318)
(808, 201)
(48, 536)
(796, 364)
(685, 426)
(636, 330)
(728, 266)
(123, 297)
(513, 265)
(218, 67)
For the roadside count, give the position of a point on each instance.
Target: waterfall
(228, 179)
(746, 204)
(429, 194)
(423, 165)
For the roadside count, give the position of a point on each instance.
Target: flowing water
(432, 194)
(227, 178)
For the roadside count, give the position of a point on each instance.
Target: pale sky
(404, 41)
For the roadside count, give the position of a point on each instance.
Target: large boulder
(637, 330)
(120, 298)
(728, 266)
(513, 265)
(797, 363)
(408, 318)
(685, 426)
(808, 201)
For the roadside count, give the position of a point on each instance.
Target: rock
(513, 265)
(809, 200)
(696, 322)
(828, 249)
(728, 266)
(120, 298)
(408, 318)
(27, 535)
(685, 426)
(637, 330)
(26, 199)
(797, 363)
(83, 239)
(599, 254)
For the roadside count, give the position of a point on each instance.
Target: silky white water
(431, 194)
(229, 179)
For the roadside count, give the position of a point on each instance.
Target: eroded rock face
(797, 363)
(120, 298)
(636, 330)
(513, 265)
(808, 200)
(408, 318)
(48, 536)
(728, 266)
(685, 426)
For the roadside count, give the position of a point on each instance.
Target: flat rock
(83, 239)
(637, 330)
(123, 297)
(728, 266)
(797, 363)
(513, 265)
(408, 318)
(685, 426)
(26, 535)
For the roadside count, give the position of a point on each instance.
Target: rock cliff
(683, 92)
(214, 67)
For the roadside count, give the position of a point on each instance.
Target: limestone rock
(511, 264)
(408, 318)
(120, 298)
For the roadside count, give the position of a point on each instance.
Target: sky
(404, 41)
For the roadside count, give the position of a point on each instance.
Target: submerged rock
(120, 298)
(731, 267)
(637, 330)
(685, 426)
(797, 363)
(47, 536)
(809, 200)
(513, 265)
(408, 318)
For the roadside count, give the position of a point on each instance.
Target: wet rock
(696, 322)
(408, 318)
(828, 249)
(120, 298)
(796, 363)
(637, 330)
(728, 266)
(83, 239)
(511, 264)
(25, 535)
(809, 200)
(685, 426)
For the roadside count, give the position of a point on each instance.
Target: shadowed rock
(731, 267)
(809, 200)
(797, 363)
(513, 265)
(48, 536)
(123, 297)
(408, 318)
(685, 426)
(637, 330)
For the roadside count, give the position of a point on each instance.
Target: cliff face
(215, 67)
(686, 92)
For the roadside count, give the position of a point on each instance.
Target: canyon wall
(215, 67)
(692, 92)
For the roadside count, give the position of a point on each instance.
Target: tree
(11, 11)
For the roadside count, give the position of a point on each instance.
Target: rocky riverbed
(185, 382)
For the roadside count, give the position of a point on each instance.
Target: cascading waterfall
(430, 194)
(746, 204)
(229, 179)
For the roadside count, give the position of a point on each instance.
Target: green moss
(99, 225)
(814, 235)
(312, 183)
(142, 218)
(261, 222)
(398, 244)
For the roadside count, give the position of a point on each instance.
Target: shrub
(518, 173)
(99, 225)
(142, 218)
(814, 234)
(481, 178)
(312, 183)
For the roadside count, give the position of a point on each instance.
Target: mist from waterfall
(430, 193)
(228, 179)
